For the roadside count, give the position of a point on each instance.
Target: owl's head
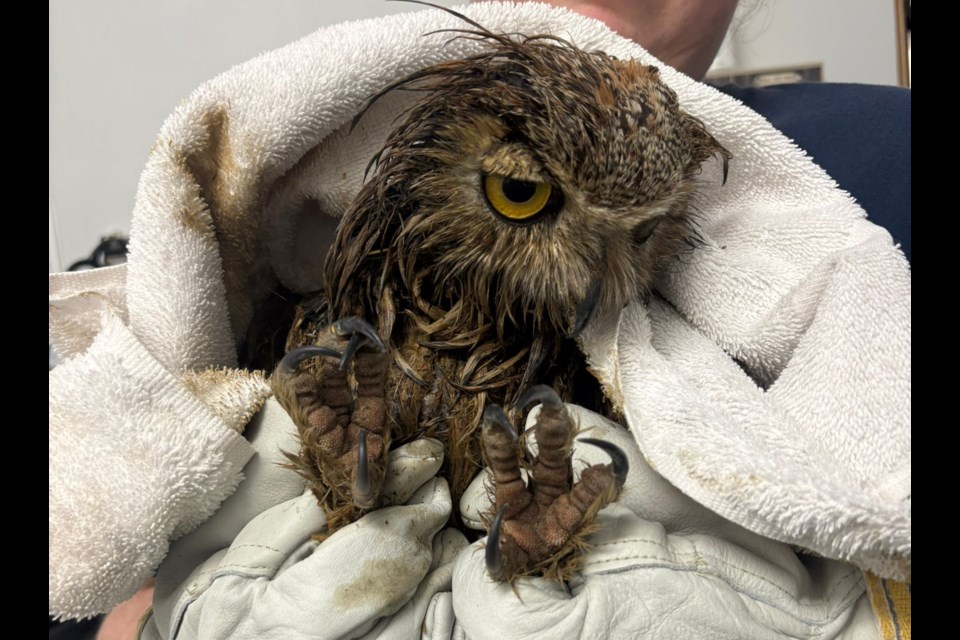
(536, 180)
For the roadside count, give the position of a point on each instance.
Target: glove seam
(238, 565)
(840, 580)
(255, 546)
(659, 543)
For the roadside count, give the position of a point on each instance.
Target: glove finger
(271, 538)
(530, 608)
(342, 587)
(429, 613)
(410, 466)
(368, 569)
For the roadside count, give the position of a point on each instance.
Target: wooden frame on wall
(903, 63)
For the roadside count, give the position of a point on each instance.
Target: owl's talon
(358, 328)
(540, 524)
(341, 417)
(493, 557)
(618, 459)
(493, 416)
(361, 333)
(362, 486)
(292, 361)
(543, 394)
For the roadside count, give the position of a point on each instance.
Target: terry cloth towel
(769, 379)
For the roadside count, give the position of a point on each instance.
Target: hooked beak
(585, 309)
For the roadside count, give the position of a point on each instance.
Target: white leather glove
(252, 570)
(662, 566)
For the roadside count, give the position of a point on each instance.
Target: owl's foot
(340, 412)
(540, 526)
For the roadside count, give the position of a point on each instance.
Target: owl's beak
(585, 310)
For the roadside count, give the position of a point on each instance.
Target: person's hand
(254, 571)
(660, 566)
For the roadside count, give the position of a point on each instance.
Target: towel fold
(769, 378)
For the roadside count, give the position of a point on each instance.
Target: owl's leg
(539, 527)
(342, 425)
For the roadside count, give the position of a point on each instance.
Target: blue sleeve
(859, 134)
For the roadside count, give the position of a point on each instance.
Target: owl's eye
(519, 200)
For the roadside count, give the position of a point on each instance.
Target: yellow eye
(517, 200)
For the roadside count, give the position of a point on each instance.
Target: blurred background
(119, 67)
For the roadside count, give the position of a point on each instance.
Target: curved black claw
(494, 415)
(362, 487)
(492, 552)
(540, 393)
(361, 333)
(621, 465)
(295, 358)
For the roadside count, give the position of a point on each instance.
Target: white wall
(119, 67)
(855, 40)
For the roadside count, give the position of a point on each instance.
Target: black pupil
(518, 191)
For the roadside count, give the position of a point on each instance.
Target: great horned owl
(531, 184)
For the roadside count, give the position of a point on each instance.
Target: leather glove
(254, 571)
(661, 566)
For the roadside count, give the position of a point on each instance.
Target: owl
(530, 185)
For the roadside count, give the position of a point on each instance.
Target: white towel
(810, 298)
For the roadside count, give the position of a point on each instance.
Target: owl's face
(537, 179)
